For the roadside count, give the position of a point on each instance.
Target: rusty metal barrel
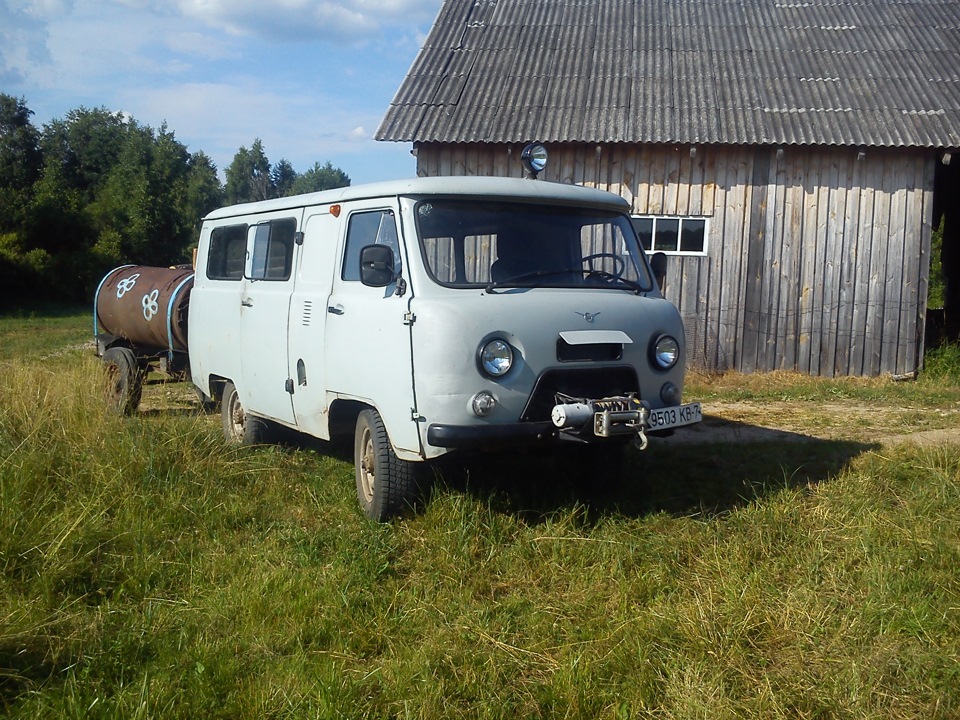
(147, 306)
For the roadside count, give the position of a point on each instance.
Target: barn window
(672, 235)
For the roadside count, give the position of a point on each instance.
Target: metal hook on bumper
(640, 441)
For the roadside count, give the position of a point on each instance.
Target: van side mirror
(658, 263)
(376, 266)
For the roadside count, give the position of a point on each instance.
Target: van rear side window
(273, 250)
(228, 252)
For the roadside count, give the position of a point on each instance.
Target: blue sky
(310, 78)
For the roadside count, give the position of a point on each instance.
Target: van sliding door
(308, 309)
(264, 388)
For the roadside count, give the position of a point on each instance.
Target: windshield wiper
(534, 275)
(518, 280)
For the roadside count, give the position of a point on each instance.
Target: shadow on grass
(706, 470)
(23, 666)
(698, 474)
(168, 413)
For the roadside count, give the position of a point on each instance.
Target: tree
(96, 189)
(111, 191)
(248, 177)
(85, 146)
(204, 191)
(320, 177)
(149, 207)
(20, 160)
(283, 176)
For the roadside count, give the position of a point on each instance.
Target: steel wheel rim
(114, 384)
(237, 417)
(368, 477)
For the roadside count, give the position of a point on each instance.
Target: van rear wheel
(385, 483)
(239, 426)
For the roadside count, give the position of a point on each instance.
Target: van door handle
(246, 302)
(335, 309)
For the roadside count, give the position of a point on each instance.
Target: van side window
(369, 228)
(228, 252)
(273, 250)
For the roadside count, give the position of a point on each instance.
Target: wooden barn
(783, 154)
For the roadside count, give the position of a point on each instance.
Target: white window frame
(680, 219)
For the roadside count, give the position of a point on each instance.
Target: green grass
(942, 365)
(147, 570)
(32, 333)
(938, 383)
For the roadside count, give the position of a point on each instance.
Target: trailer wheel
(239, 426)
(386, 485)
(124, 380)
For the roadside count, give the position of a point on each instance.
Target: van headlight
(495, 358)
(665, 352)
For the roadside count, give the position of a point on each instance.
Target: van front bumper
(475, 436)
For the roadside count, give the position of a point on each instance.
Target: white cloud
(298, 20)
(219, 118)
(202, 45)
(224, 72)
(23, 42)
(41, 8)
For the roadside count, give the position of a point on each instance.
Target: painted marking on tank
(126, 285)
(150, 305)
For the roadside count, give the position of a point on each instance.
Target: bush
(943, 363)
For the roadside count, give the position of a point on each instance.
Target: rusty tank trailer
(140, 325)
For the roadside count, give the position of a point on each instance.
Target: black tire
(124, 380)
(239, 426)
(386, 485)
(207, 404)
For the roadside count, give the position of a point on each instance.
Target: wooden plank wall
(818, 258)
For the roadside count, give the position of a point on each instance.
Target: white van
(435, 315)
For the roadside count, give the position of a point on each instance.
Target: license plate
(671, 417)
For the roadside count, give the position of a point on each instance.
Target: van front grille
(579, 383)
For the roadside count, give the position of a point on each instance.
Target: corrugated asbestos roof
(867, 72)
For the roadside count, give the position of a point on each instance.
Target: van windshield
(490, 244)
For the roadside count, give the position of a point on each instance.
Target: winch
(610, 416)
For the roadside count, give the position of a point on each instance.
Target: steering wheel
(619, 265)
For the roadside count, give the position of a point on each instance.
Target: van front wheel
(385, 483)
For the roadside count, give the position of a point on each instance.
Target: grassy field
(149, 571)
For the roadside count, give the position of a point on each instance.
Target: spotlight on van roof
(534, 159)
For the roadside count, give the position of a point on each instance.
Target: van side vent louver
(307, 312)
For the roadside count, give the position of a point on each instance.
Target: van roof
(493, 187)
